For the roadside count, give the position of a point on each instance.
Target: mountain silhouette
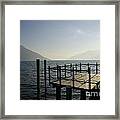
(88, 55)
(29, 55)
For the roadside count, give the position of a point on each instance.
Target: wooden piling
(58, 92)
(97, 85)
(60, 75)
(71, 69)
(89, 78)
(65, 70)
(88, 65)
(80, 67)
(96, 68)
(49, 74)
(76, 68)
(73, 76)
(83, 94)
(38, 78)
(68, 93)
(45, 78)
(57, 72)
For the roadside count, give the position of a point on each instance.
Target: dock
(81, 76)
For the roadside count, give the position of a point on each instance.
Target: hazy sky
(60, 39)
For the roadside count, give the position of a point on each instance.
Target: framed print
(60, 60)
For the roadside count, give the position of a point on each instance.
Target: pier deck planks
(81, 81)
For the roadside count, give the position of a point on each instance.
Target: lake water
(28, 81)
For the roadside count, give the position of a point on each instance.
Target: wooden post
(38, 78)
(58, 92)
(76, 68)
(68, 93)
(65, 70)
(49, 73)
(73, 77)
(71, 69)
(83, 94)
(96, 68)
(57, 72)
(88, 65)
(89, 78)
(98, 84)
(45, 80)
(80, 67)
(60, 75)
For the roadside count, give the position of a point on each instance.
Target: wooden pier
(83, 77)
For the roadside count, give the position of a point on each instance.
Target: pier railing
(70, 76)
